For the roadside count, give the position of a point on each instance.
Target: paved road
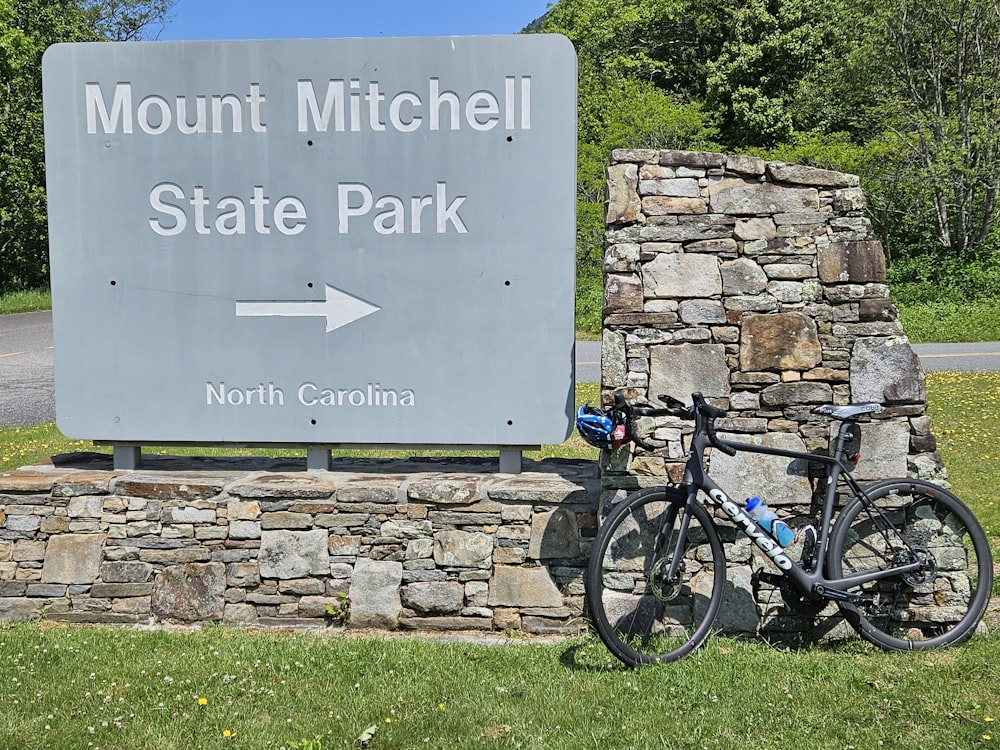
(976, 357)
(27, 390)
(953, 357)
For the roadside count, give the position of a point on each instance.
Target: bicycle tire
(640, 617)
(906, 520)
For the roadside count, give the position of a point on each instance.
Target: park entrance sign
(315, 242)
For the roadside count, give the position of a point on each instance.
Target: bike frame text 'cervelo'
(750, 527)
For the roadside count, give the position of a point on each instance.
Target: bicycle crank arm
(840, 596)
(824, 592)
(785, 583)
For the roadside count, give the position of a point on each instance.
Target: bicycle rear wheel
(905, 521)
(642, 611)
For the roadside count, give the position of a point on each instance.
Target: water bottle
(757, 509)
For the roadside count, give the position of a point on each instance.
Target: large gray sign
(364, 241)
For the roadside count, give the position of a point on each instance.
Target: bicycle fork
(660, 580)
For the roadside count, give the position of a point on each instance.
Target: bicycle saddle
(850, 411)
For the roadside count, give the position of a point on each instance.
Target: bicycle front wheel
(902, 522)
(656, 577)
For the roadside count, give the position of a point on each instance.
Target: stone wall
(761, 285)
(426, 544)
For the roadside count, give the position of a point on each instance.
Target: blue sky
(289, 19)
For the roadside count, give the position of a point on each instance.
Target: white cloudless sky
(293, 19)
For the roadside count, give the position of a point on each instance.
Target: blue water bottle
(757, 509)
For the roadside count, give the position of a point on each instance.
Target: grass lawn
(950, 322)
(72, 687)
(29, 301)
(965, 409)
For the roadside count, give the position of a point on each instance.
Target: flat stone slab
(73, 558)
(188, 486)
(192, 592)
(293, 554)
(283, 485)
(774, 478)
(523, 587)
(374, 594)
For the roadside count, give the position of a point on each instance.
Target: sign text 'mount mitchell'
(343, 106)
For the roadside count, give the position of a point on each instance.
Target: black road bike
(907, 563)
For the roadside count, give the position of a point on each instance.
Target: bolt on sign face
(340, 241)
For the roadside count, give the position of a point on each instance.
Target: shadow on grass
(589, 655)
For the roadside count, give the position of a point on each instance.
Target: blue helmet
(595, 426)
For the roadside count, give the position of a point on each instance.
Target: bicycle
(906, 562)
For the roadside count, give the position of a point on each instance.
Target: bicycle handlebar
(702, 412)
(712, 413)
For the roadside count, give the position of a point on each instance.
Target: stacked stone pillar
(761, 285)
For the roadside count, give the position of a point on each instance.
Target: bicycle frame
(805, 581)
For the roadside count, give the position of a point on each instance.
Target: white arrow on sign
(339, 308)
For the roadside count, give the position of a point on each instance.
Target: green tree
(27, 27)
(756, 79)
(641, 74)
(939, 85)
(918, 83)
(668, 43)
(127, 20)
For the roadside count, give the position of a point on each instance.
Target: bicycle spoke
(650, 598)
(942, 601)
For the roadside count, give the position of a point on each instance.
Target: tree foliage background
(27, 28)
(905, 93)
